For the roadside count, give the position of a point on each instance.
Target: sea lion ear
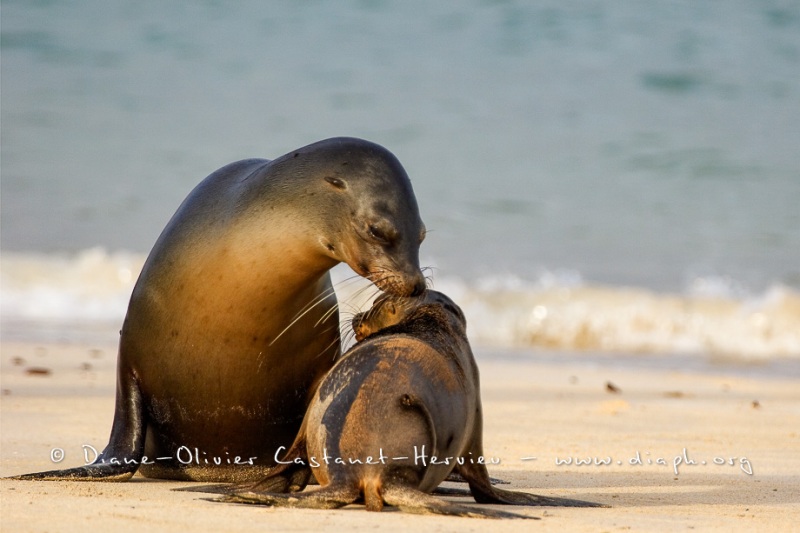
(336, 182)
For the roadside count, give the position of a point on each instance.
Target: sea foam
(84, 297)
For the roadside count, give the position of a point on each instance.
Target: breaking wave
(83, 296)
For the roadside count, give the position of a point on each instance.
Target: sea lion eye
(377, 234)
(336, 182)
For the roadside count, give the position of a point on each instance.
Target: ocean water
(604, 176)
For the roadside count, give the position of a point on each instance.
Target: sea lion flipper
(283, 478)
(292, 473)
(481, 486)
(450, 491)
(414, 501)
(125, 449)
(330, 497)
(279, 479)
(455, 477)
(102, 472)
(482, 490)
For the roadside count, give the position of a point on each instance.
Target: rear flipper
(484, 492)
(330, 497)
(292, 478)
(289, 475)
(455, 477)
(335, 497)
(414, 501)
(450, 491)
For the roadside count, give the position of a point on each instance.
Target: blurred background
(595, 175)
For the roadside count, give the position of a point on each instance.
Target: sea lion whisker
(348, 333)
(315, 301)
(365, 288)
(327, 315)
(347, 342)
(296, 320)
(349, 280)
(308, 308)
(329, 346)
(376, 281)
(346, 321)
(428, 276)
(376, 292)
(330, 291)
(358, 296)
(363, 299)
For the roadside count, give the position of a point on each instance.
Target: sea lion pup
(233, 320)
(399, 412)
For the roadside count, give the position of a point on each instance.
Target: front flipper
(123, 454)
(103, 472)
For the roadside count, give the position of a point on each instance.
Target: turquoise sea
(595, 175)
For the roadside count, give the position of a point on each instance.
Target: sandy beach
(602, 184)
(731, 433)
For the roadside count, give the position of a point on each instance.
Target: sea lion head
(377, 229)
(388, 310)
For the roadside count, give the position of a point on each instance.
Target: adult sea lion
(232, 321)
(394, 417)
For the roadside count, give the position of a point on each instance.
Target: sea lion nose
(419, 287)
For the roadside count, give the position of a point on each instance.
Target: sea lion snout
(386, 311)
(412, 285)
(401, 280)
(394, 280)
(419, 286)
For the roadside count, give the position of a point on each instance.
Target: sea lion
(233, 319)
(399, 412)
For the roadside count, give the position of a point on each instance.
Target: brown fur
(411, 382)
(233, 320)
